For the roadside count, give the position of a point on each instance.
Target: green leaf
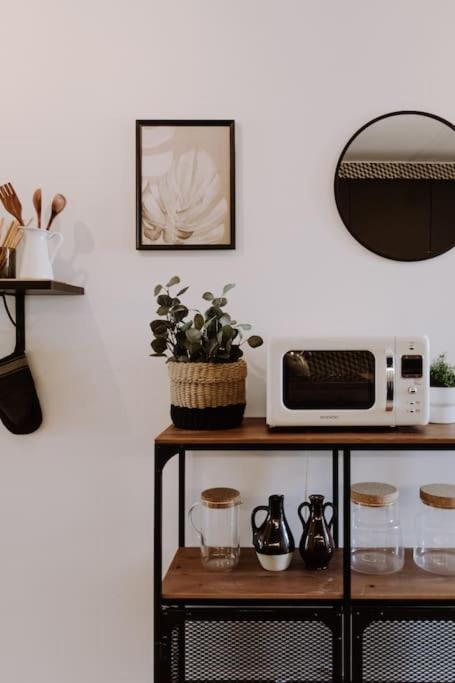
(193, 335)
(199, 321)
(173, 281)
(208, 296)
(157, 290)
(179, 312)
(213, 312)
(162, 310)
(226, 319)
(164, 300)
(160, 328)
(220, 301)
(182, 291)
(158, 355)
(236, 352)
(159, 345)
(228, 333)
(254, 341)
(228, 287)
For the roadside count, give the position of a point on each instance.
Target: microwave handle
(390, 382)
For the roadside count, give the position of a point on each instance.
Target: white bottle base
(274, 563)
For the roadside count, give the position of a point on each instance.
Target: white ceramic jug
(35, 261)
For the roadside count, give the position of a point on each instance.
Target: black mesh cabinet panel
(407, 645)
(253, 645)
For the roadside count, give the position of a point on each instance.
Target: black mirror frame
(340, 159)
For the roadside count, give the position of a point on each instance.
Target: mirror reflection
(395, 186)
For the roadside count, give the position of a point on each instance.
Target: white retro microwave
(348, 381)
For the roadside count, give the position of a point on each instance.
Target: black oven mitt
(20, 410)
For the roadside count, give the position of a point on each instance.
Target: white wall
(299, 77)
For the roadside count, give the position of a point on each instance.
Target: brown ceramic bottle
(316, 544)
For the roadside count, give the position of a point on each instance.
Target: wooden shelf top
(411, 583)
(10, 286)
(254, 431)
(188, 580)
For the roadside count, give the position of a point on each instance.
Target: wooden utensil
(58, 204)
(37, 204)
(11, 201)
(11, 235)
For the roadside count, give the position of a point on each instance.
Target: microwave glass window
(411, 366)
(333, 380)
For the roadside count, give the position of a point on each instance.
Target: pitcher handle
(57, 247)
(333, 517)
(299, 512)
(190, 517)
(253, 516)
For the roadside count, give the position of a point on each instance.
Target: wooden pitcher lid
(373, 493)
(438, 495)
(220, 497)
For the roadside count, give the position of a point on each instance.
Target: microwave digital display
(328, 380)
(411, 366)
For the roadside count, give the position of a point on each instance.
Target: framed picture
(185, 185)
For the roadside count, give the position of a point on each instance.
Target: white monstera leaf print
(185, 204)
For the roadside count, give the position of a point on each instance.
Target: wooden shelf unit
(346, 602)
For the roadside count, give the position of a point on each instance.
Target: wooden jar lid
(220, 497)
(438, 495)
(373, 494)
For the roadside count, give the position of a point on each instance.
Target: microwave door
(338, 380)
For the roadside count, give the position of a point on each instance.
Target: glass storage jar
(434, 549)
(219, 528)
(376, 543)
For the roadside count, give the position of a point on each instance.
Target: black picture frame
(140, 124)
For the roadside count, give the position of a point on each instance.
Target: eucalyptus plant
(194, 336)
(442, 374)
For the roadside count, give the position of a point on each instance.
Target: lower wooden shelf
(188, 580)
(411, 583)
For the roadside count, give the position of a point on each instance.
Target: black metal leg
(335, 497)
(182, 505)
(162, 455)
(20, 323)
(347, 565)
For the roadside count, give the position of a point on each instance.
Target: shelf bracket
(19, 323)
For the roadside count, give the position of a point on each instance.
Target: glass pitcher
(219, 528)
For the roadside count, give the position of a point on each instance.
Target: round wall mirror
(395, 186)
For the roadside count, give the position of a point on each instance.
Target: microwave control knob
(412, 390)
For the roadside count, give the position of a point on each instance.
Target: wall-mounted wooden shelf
(187, 579)
(12, 287)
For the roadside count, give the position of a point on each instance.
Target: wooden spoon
(37, 204)
(58, 204)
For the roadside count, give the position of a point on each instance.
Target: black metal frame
(19, 322)
(356, 614)
(229, 123)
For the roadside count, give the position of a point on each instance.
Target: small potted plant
(204, 356)
(442, 391)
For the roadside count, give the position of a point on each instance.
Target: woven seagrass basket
(207, 395)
